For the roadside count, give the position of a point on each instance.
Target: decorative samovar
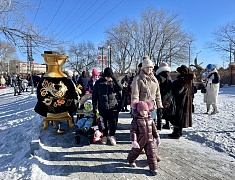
(55, 92)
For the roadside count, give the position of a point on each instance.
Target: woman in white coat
(212, 88)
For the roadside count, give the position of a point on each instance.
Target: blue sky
(87, 19)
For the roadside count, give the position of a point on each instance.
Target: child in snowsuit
(86, 122)
(143, 131)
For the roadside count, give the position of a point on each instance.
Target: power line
(86, 19)
(79, 18)
(37, 11)
(68, 15)
(73, 16)
(54, 15)
(98, 20)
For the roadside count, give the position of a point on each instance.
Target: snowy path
(207, 151)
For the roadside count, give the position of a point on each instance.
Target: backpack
(168, 102)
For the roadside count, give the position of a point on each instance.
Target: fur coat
(182, 91)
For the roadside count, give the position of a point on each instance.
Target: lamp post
(197, 54)
(189, 52)
(102, 58)
(110, 61)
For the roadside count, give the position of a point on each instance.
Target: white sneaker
(104, 140)
(112, 140)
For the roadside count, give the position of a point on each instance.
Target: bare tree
(18, 30)
(224, 40)
(158, 35)
(82, 56)
(7, 52)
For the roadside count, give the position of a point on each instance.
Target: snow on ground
(19, 125)
(215, 131)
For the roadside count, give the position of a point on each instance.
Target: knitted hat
(108, 72)
(88, 105)
(95, 72)
(163, 67)
(147, 62)
(142, 105)
(210, 67)
(183, 69)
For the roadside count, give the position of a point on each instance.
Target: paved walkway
(60, 158)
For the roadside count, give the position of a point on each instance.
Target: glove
(135, 144)
(159, 113)
(158, 141)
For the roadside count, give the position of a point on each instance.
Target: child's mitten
(158, 141)
(135, 144)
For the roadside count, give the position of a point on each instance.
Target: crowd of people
(19, 82)
(145, 92)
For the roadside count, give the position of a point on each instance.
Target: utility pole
(29, 58)
(110, 61)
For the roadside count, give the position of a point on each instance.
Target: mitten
(135, 144)
(158, 141)
(159, 113)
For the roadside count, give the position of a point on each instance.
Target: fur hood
(164, 68)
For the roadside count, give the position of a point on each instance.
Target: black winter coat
(83, 81)
(165, 81)
(182, 91)
(106, 95)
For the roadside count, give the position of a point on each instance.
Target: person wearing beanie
(142, 134)
(164, 79)
(106, 97)
(90, 84)
(182, 92)
(145, 87)
(212, 82)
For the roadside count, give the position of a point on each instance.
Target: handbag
(203, 90)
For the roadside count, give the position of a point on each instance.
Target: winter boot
(159, 124)
(175, 134)
(166, 126)
(207, 109)
(215, 109)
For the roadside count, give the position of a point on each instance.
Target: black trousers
(110, 119)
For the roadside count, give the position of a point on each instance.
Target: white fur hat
(147, 62)
(163, 67)
(69, 73)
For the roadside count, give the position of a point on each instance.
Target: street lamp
(189, 52)
(110, 62)
(102, 59)
(197, 54)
